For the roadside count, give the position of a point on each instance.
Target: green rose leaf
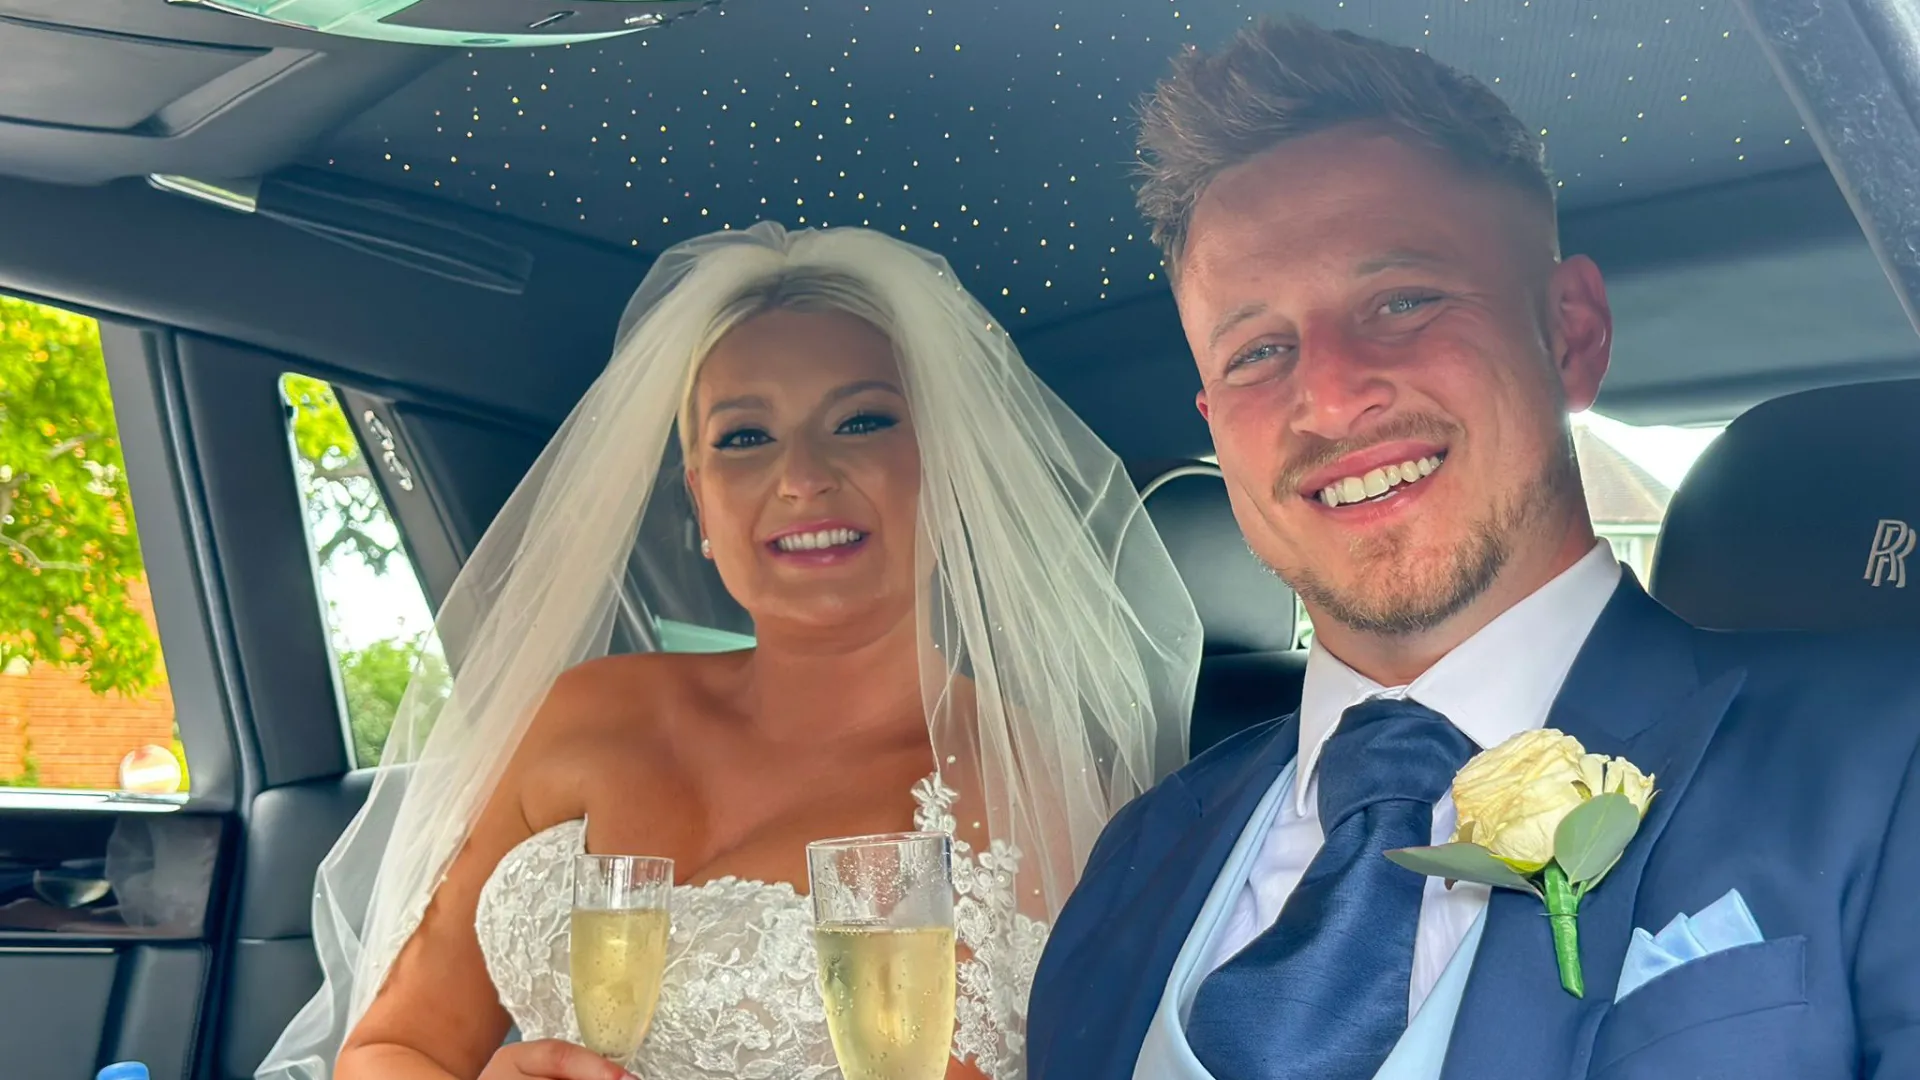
(1590, 839)
(1461, 862)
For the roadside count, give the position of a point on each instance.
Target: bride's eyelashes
(866, 423)
(742, 438)
(861, 423)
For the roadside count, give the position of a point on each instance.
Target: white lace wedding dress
(740, 998)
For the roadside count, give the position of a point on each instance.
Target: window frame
(169, 522)
(285, 720)
(389, 467)
(408, 491)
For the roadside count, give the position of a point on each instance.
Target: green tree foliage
(375, 679)
(68, 550)
(344, 508)
(348, 520)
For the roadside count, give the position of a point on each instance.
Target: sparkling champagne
(889, 994)
(617, 959)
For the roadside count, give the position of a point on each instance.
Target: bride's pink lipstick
(818, 543)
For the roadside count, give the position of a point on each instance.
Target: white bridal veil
(1047, 589)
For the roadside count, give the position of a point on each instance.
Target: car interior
(420, 220)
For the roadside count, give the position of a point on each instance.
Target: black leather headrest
(1243, 607)
(1802, 515)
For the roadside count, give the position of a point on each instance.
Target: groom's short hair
(1283, 79)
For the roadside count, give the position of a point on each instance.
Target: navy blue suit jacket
(1786, 769)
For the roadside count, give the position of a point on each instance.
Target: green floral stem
(1563, 907)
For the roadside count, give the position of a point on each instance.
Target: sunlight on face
(1380, 342)
(805, 470)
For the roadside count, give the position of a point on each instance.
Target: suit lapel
(1177, 854)
(1636, 691)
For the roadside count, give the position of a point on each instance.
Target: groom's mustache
(1315, 452)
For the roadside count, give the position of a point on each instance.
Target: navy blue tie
(1322, 993)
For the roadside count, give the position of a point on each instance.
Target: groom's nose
(1339, 385)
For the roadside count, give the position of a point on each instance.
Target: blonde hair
(813, 289)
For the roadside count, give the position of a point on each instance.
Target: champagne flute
(883, 930)
(618, 948)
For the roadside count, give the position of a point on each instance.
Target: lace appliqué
(739, 997)
(1002, 946)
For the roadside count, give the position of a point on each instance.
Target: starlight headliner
(999, 133)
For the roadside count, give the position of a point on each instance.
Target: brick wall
(79, 736)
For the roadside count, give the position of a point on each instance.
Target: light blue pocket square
(1724, 924)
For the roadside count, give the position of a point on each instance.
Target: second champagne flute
(883, 928)
(618, 948)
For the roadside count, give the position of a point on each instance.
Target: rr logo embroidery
(1893, 541)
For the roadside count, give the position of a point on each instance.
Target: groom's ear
(1200, 402)
(1581, 330)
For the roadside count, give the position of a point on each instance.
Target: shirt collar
(1492, 686)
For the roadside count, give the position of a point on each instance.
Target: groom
(1362, 244)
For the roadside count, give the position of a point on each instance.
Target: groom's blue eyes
(747, 438)
(1405, 303)
(1393, 306)
(1256, 354)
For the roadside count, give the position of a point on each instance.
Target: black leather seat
(274, 968)
(1802, 515)
(1249, 670)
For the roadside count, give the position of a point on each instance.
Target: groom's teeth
(1353, 489)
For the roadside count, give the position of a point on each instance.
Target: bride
(961, 620)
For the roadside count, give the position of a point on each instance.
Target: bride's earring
(706, 548)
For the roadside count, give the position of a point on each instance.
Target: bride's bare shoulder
(625, 688)
(614, 713)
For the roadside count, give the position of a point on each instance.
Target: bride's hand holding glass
(551, 1059)
(617, 951)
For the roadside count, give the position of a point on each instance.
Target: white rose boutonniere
(1539, 814)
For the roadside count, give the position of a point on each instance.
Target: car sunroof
(1000, 134)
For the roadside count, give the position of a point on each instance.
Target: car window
(379, 627)
(678, 636)
(1629, 472)
(84, 702)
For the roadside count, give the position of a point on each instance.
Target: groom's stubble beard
(1391, 595)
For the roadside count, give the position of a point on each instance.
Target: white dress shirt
(1496, 684)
